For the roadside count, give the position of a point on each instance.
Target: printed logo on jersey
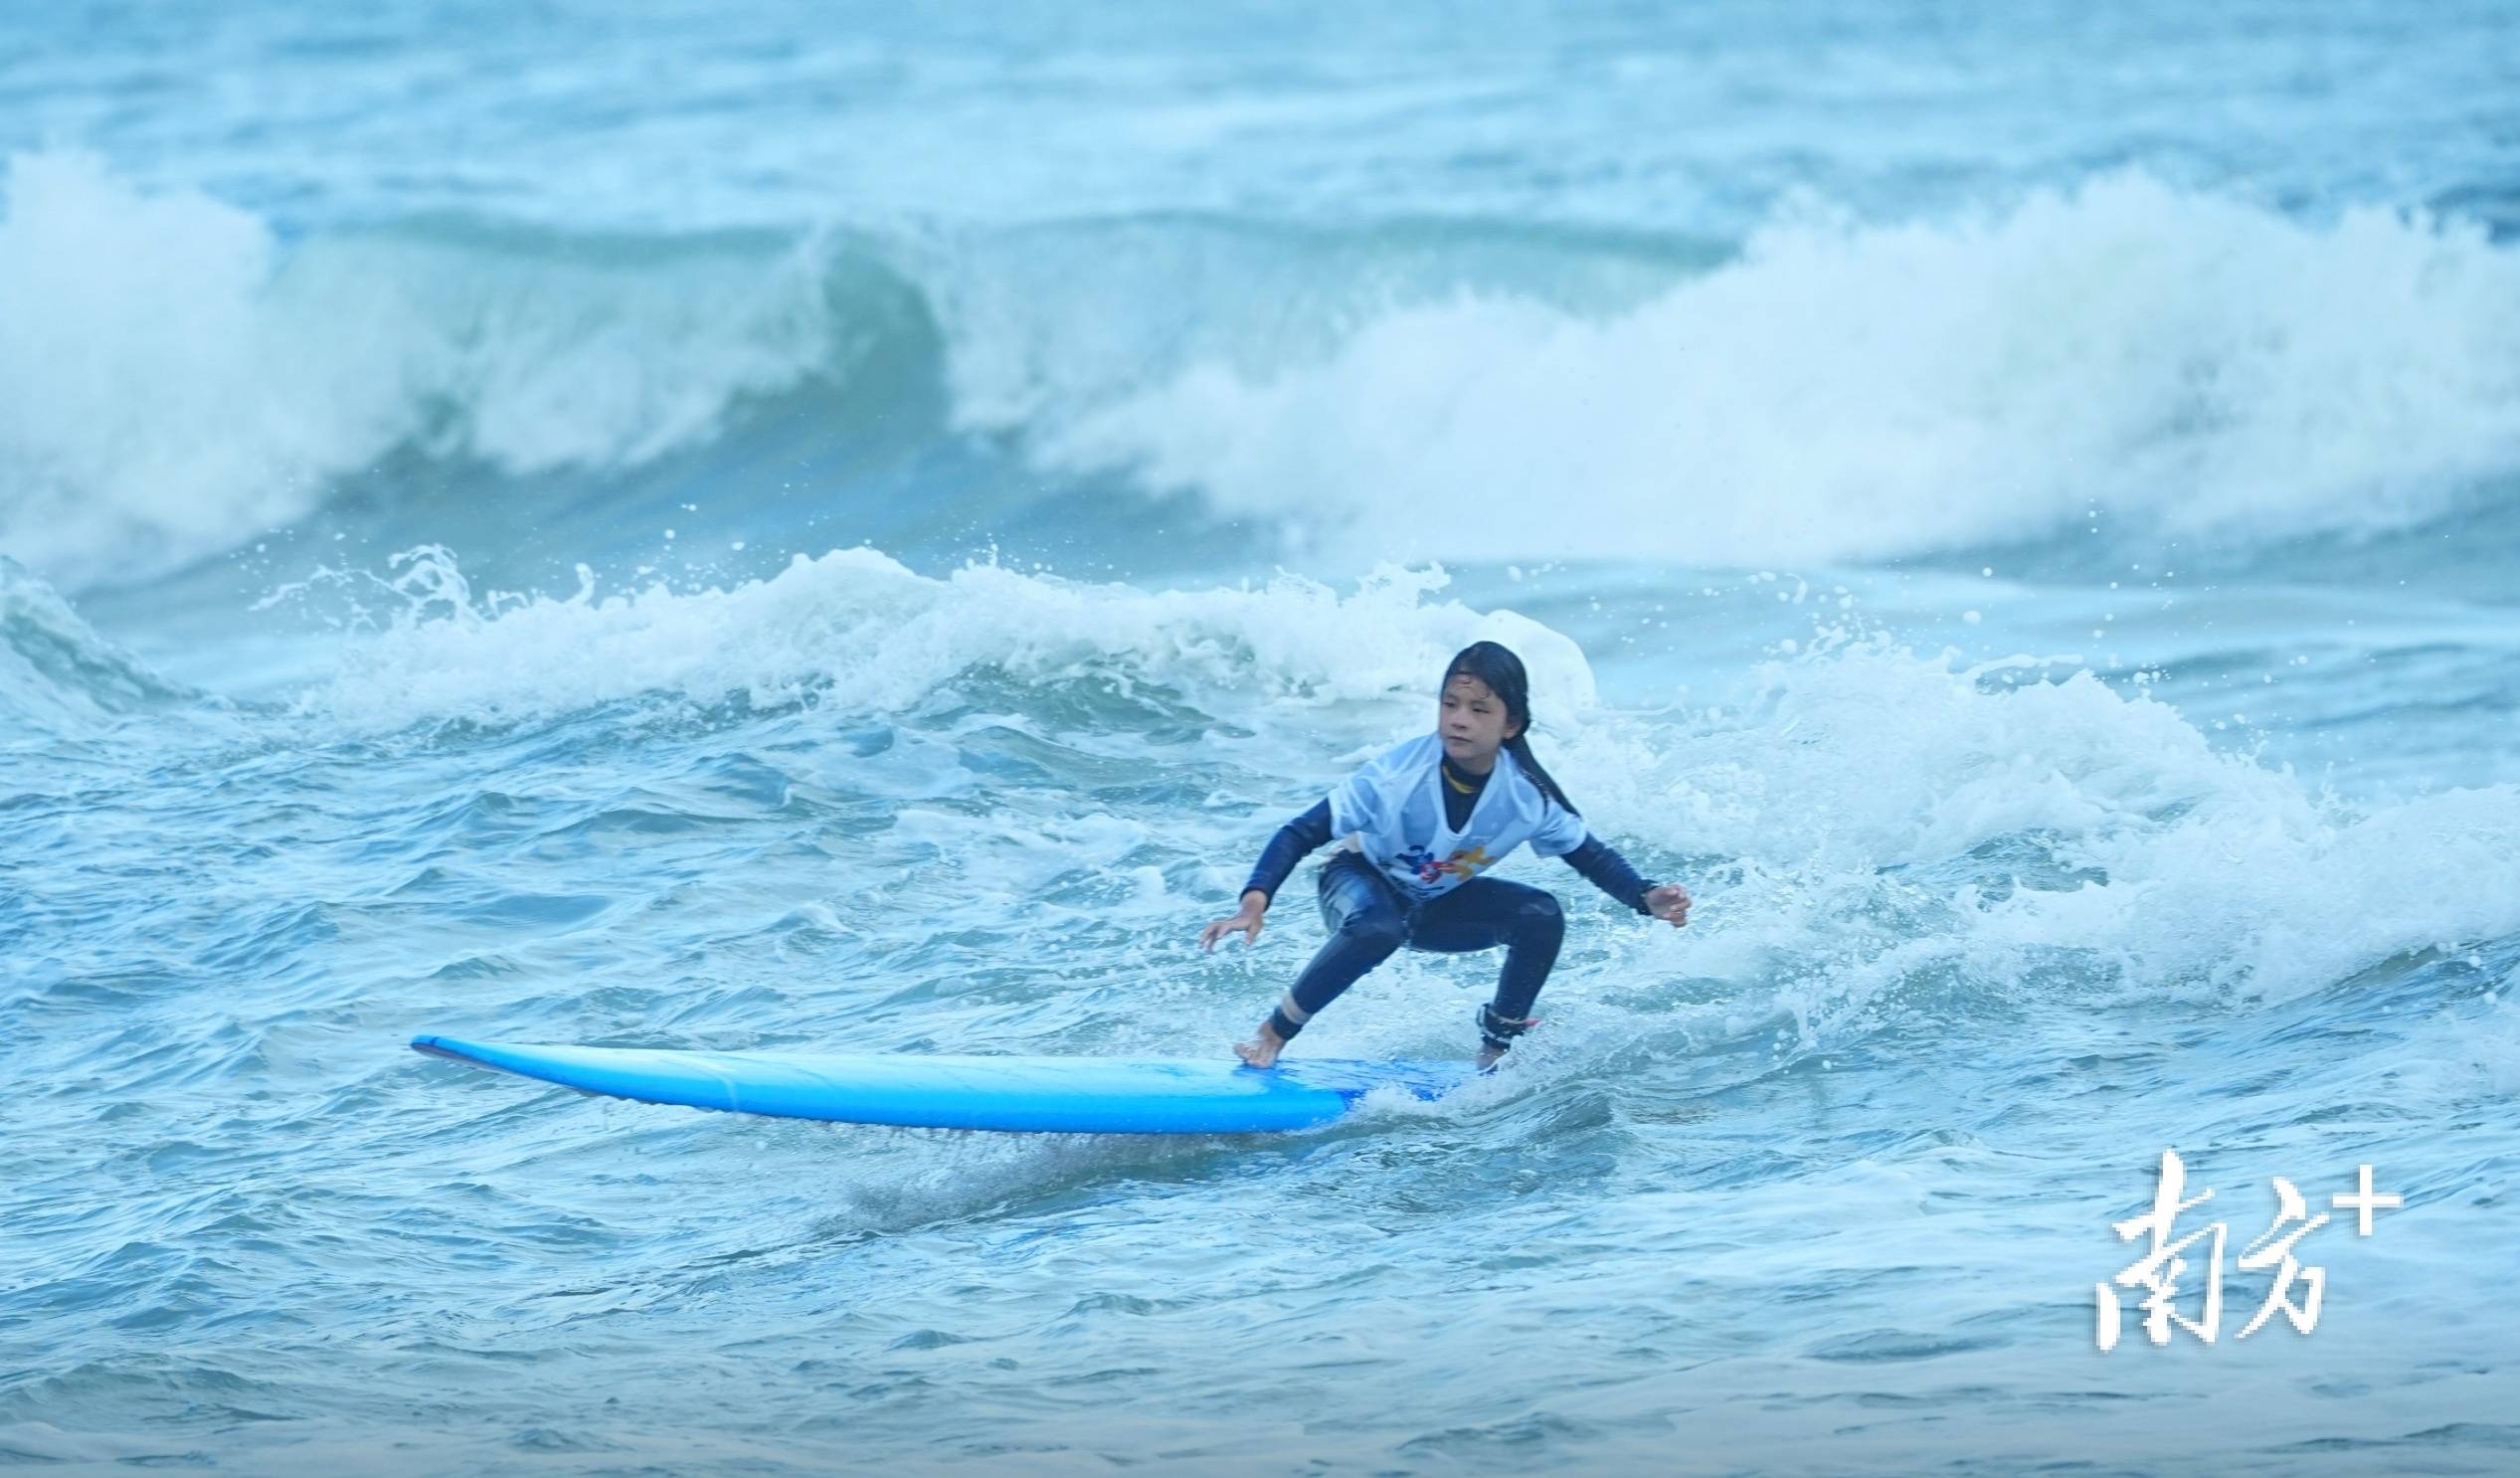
(1461, 863)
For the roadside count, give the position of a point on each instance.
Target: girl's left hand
(1669, 902)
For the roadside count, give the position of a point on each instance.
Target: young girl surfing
(1422, 821)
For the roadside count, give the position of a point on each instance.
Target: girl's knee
(1539, 914)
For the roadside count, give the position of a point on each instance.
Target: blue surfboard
(1089, 1095)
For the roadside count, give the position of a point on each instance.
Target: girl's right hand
(1247, 919)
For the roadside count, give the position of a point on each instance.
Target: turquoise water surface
(831, 528)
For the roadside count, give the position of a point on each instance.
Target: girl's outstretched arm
(1612, 874)
(1295, 840)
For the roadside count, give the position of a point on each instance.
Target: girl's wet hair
(1496, 666)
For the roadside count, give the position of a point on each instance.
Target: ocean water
(828, 527)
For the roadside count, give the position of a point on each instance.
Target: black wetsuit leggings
(1368, 918)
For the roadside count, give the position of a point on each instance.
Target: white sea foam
(172, 380)
(862, 633)
(176, 378)
(2179, 362)
(1899, 817)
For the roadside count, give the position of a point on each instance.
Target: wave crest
(174, 380)
(2124, 358)
(57, 674)
(857, 631)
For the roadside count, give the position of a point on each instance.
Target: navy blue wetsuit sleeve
(1294, 842)
(1609, 872)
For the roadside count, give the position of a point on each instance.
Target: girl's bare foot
(1263, 1048)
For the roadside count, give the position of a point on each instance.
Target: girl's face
(1472, 723)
